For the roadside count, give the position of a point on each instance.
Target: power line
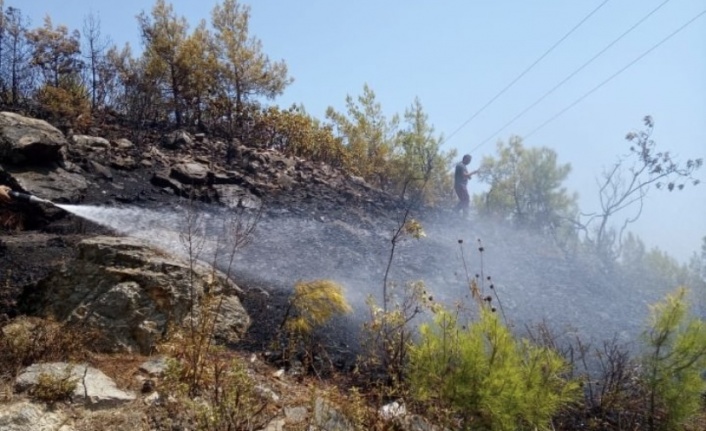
(531, 66)
(640, 57)
(572, 74)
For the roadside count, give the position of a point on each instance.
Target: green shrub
(486, 377)
(674, 363)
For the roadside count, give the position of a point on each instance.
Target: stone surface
(295, 415)
(155, 367)
(124, 144)
(24, 139)
(176, 139)
(49, 182)
(133, 294)
(327, 417)
(190, 173)
(93, 388)
(91, 142)
(26, 416)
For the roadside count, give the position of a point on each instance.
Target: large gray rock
(234, 196)
(91, 143)
(93, 388)
(328, 417)
(190, 173)
(26, 416)
(32, 160)
(49, 182)
(177, 139)
(27, 140)
(135, 295)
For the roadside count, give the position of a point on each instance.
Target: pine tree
(674, 363)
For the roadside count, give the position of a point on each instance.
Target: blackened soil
(26, 257)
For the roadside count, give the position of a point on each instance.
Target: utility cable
(571, 75)
(531, 66)
(640, 57)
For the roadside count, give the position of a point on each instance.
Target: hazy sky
(458, 55)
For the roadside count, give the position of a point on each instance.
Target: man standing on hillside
(461, 177)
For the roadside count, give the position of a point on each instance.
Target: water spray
(26, 197)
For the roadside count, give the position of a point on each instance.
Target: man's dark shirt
(460, 178)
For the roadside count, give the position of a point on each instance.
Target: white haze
(532, 279)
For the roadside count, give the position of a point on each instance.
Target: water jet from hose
(26, 197)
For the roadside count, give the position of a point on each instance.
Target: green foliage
(526, 187)
(368, 136)
(487, 377)
(674, 363)
(163, 35)
(200, 65)
(244, 70)
(658, 268)
(52, 388)
(407, 162)
(418, 166)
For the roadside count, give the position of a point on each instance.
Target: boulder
(135, 295)
(26, 416)
(155, 367)
(100, 170)
(177, 139)
(192, 173)
(124, 144)
(93, 388)
(234, 196)
(328, 417)
(26, 140)
(162, 179)
(48, 182)
(125, 163)
(91, 143)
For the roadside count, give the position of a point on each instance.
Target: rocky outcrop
(24, 140)
(93, 388)
(37, 158)
(134, 294)
(48, 182)
(32, 160)
(191, 173)
(176, 139)
(26, 416)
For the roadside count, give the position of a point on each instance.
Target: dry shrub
(28, 340)
(311, 307)
(52, 388)
(67, 105)
(11, 220)
(227, 396)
